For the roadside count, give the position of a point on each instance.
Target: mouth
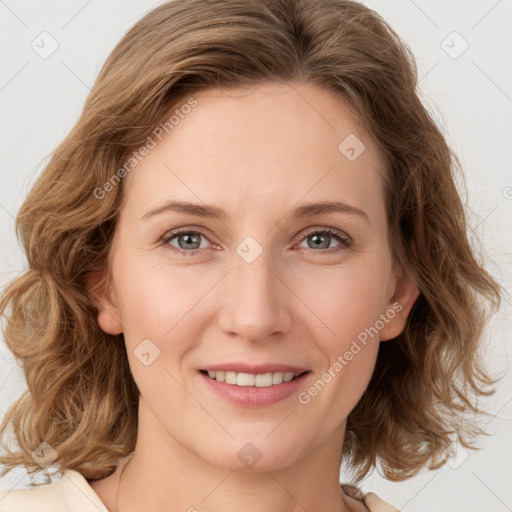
(260, 380)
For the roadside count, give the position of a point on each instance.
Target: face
(270, 281)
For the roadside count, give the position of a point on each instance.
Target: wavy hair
(81, 397)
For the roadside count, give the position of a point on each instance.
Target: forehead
(250, 148)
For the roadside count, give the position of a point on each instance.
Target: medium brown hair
(81, 396)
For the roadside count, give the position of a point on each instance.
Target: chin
(254, 456)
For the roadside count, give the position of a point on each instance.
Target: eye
(321, 240)
(188, 241)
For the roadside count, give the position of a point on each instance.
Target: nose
(256, 300)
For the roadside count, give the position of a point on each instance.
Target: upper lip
(256, 369)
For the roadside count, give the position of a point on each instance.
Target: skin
(258, 154)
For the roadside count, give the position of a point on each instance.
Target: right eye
(187, 241)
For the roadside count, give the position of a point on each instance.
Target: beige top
(74, 494)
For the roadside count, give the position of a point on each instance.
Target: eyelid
(328, 230)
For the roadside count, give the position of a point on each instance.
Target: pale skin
(258, 155)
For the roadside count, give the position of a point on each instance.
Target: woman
(248, 263)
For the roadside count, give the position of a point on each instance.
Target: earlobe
(399, 307)
(109, 318)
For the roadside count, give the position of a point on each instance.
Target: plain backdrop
(464, 54)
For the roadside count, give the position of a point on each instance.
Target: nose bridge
(255, 303)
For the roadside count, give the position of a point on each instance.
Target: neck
(168, 476)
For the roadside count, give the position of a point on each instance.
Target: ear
(403, 294)
(97, 286)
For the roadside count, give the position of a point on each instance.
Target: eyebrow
(209, 211)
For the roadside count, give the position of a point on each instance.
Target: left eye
(320, 238)
(190, 241)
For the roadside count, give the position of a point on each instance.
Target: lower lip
(251, 396)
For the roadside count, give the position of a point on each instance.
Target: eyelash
(346, 242)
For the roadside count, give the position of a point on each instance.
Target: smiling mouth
(252, 380)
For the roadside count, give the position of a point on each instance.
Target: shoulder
(70, 494)
(375, 504)
(42, 497)
(368, 502)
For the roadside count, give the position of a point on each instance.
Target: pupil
(189, 238)
(318, 238)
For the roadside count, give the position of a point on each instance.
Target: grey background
(470, 94)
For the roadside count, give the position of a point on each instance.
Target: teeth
(248, 379)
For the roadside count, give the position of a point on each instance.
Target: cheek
(346, 300)
(349, 350)
(338, 389)
(164, 310)
(348, 310)
(156, 296)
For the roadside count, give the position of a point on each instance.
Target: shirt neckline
(78, 494)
